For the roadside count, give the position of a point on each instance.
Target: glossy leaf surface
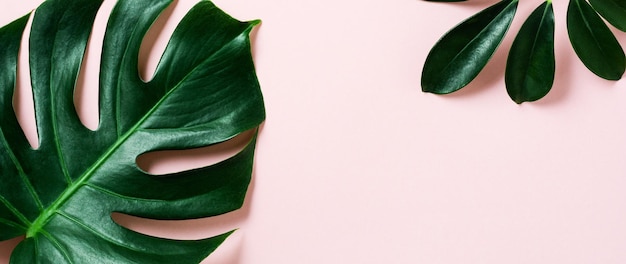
(458, 57)
(614, 11)
(593, 42)
(530, 66)
(60, 196)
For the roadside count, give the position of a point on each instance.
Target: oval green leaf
(531, 65)
(60, 196)
(593, 42)
(458, 57)
(614, 11)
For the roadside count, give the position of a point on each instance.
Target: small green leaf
(458, 57)
(60, 196)
(531, 64)
(593, 42)
(614, 11)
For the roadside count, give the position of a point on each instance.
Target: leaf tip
(255, 22)
(518, 101)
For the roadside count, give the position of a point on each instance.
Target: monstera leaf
(60, 196)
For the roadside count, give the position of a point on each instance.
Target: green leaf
(614, 11)
(458, 57)
(593, 42)
(61, 195)
(531, 65)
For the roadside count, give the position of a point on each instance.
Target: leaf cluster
(458, 57)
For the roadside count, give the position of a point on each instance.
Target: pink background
(356, 165)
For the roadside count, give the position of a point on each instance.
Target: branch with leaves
(459, 56)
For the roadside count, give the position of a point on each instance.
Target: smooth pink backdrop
(356, 165)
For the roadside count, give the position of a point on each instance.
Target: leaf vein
(118, 104)
(535, 42)
(58, 245)
(482, 31)
(55, 131)
(117, 195)
(95, 232)
(589, 28)
(11, 223)
(14, 210)
(21, 172)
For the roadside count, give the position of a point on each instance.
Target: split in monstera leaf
(459, 56)
(60, 196)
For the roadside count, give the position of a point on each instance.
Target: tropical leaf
(594, 43)
(458, 57)
(530, 66)
(614, 11)
(60, 196)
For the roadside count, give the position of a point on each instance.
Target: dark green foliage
(614, 11)
(458, 57)
(531, 64)
(61, 195)
(593, 42)
(461, 53)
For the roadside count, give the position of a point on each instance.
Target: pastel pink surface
(356, 165)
